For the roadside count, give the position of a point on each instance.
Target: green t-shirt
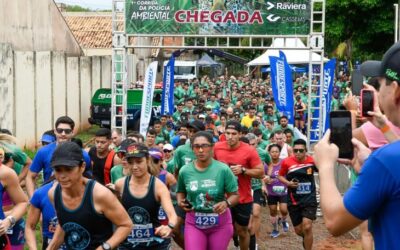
(116, 173)
(171, 166)
(256, 184)
(206, 188)
(183, 155)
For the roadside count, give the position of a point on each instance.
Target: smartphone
(367, 102)
(188, 204)
(357, 80)
(341, 133)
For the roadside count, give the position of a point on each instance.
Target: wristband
(228, 203)
(385, 129)
(171, 225)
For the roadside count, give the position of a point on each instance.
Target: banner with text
(329, 74)
(218, 17)
(167, 100)
(282, 85)
(147, 100)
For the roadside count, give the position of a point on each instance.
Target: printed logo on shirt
(76, 236)
(194, 185)
(208, 183)
(53, 224)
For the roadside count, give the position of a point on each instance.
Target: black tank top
(84, 227)
(142, 211)
(97, 165)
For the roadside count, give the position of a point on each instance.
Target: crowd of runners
(200, 176)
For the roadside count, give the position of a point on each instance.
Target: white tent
(293, 56)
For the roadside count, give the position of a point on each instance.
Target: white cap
(168, 147)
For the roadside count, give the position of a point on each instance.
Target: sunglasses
(298, 150)
(201, 146)
(167, 151)
(67, 131)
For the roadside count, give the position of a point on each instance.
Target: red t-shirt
(303, 171)
(244, 155)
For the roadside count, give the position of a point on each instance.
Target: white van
(184, 70)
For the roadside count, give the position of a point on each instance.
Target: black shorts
(180, 212)
(297, 213)
(273, 200)
(258, 197)
(241, 213)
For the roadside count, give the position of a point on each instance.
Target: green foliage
(365, 26)
(76, 8)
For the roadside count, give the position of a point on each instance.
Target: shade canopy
(206, 60)
(294, 55)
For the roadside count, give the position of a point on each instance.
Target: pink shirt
(374, 136)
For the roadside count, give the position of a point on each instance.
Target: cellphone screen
(341, 135)
(367, 102)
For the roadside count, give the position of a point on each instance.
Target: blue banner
(282, 85)
(167, 100)
(329, 74)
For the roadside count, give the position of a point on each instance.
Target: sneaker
(275, 233)
(285, 226)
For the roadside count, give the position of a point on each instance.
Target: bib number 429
(206, 220)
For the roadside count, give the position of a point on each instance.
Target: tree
(362, 29)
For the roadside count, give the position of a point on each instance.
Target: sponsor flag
(147, 100)
(282, 85)
(327, 89)
(167, 100)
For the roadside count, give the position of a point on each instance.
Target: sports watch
(106, 246)
(244, 170)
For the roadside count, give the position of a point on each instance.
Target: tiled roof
(91, 32)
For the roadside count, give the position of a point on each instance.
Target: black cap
(197, 125)
(136, 151)
(233, 125)
(67, 154)
(389, 67)
(124, 145)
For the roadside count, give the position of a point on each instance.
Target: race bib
(279, 189)
(304, 188)
(206, 220)
(141, 233)
(161, 214)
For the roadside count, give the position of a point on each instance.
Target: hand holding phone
(367, 102)
(188, 204)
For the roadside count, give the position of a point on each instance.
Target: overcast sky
(92, 4)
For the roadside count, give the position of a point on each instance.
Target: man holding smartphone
(297, 172)
(375, 195)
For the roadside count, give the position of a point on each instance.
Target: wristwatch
(228, 202)
(12, 220)
(106, 246)
(244, 170)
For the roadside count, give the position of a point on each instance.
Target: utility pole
(396, 22)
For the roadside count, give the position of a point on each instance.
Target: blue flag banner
(329, 74)
(167, 100)
(282, 85)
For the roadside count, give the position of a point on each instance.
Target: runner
(202, 187)
(277, 192)
(184, 155)
(297, 173)
(9, 181)
(102, 157)
(41, 208)
(141, 195)
(245, 164)
(86, 210)
(64, 130)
